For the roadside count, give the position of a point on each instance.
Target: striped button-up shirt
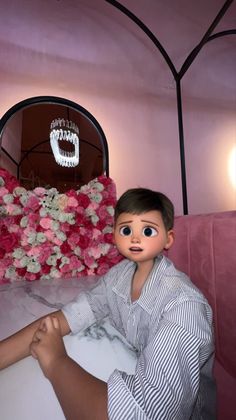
(170, 326)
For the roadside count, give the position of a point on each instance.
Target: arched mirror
(52, 142)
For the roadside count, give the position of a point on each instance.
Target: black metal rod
(31, 150)
(181, 147)
(178, 75)
(49, 153)
(9, 156)
(221, 34)
(191, 57)
(147, 31)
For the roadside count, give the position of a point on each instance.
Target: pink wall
(91, 54)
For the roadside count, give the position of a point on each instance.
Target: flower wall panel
(48, 234)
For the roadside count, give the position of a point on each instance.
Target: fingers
(55, 322)
(49, 323)
(38, 335)
(42, 325)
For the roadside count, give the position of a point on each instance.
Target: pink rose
(32, 204)
(93, 206)
(3, 191)
(83, 200)
(33, 219)
(113, 252)
(102, 269)
(50, 235)
(17, 263)
(10, 181)
(72, 202)
(57, 241)
(108, 200)
(24, 240)
(65, 227)
(46, 269)
(21, 272)
(108, 238)
(71, 193)
(12, 208)
(89, 272)
(32, 276)
(96, 234)
(80, 237)
(89, 261)
(8, 240)
(2, 253)
(81, 220)
(95, 252)
(101, 224)
(102, 212)
(65, 248)
(83, 242)
(45, 252)
(75, 263)
(45, 222)
(39, 191)
(34, 251)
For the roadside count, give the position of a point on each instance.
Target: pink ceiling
(41, 39)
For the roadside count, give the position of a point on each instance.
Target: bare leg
(81, 395)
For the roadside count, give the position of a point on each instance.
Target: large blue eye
(149, 231)
(125, 231)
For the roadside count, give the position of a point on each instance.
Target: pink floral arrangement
(46, 234)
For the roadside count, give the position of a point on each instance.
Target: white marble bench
(25, 394)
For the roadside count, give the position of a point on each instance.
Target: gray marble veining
(24, 392)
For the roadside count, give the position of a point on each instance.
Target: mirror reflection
(75, 154)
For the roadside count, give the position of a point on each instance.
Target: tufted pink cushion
(205, 249)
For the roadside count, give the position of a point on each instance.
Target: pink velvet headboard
(205, 249)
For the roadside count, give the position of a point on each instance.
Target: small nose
(135, 238)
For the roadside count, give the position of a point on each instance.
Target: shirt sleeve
(166, 382)
(87, 308)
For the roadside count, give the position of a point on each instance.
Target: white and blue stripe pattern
(170, 326)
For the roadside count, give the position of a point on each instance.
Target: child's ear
(170, 239)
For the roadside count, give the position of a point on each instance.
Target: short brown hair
(142, 200)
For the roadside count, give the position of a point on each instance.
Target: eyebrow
(150, 221)
(142, 220)
(125, 223)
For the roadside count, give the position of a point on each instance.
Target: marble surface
(25, 394)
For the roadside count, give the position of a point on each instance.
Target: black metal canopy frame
(179, 75)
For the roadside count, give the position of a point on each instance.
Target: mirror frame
(61, 101)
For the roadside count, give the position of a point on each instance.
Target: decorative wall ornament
(63, 129)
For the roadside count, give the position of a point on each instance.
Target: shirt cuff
(79, 314)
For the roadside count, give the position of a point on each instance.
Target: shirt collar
(123, 286)
(151, 286)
